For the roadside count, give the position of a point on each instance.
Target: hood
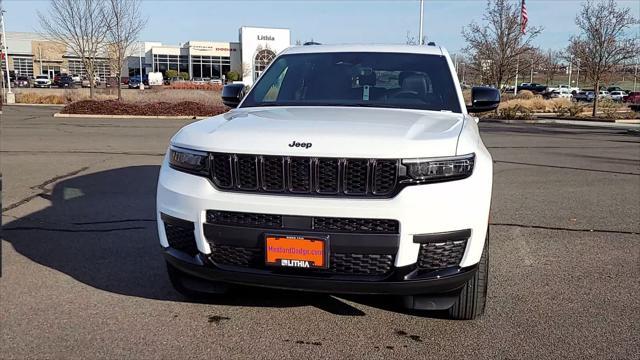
(326, 132)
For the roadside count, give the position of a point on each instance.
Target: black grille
(326, 224)
(356, 176)
(369, 264)
(244, 219)
(222, 174)
(332, 224)
(237, 256)
(305, 175)
(440, 255)
(273, 173)
(181, 238)
(347, 264)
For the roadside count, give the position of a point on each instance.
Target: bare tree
(81, 26)
(125, 27)
(413, 40)
(498, 44)
(550, 62)
(603, 43)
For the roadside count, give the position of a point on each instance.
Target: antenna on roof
(312, 43)
(431, 43)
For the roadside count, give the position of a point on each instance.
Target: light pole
(578, 75)
(570, 62)
(635, 76)
(140, 57)
(421, 21)
(11, 98)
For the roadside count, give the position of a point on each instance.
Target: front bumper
(422, 211)
(405, 281)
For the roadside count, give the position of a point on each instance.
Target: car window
(415, 81)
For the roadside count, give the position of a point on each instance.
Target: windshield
(394, 80)
(42, 77)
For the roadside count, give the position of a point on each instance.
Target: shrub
(537, 103)
(33, 98)
(560, 106)
(575, 109)
(515, 110)
(170, 74)
(193, 86)
(525, 94)
(184, 75)
(609, 108)
(233, 76)
(114, 107)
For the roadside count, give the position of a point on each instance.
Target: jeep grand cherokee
(345, 169)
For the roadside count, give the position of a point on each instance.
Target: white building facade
(213, 59)
(258, 47)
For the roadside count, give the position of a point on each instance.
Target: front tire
(473, 298)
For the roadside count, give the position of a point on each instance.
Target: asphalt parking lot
(83, 277)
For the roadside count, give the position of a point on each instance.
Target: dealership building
(30, 55)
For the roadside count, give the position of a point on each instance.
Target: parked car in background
(66, 81)
(571, 90)
(633, 100)
(617, 95)
(56, 79)
(155, 79)
(633, 97)
(563, 93)
(585, 96)
(604, 94)
(22, 81)
(134, 81)
(215, 82)
(200, 80)
(42, 81)
(533, 87)
(176, 79)
(76, 79)
(616, 88)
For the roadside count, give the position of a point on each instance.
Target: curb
(619, 124)
(97, 116)
(48, 105)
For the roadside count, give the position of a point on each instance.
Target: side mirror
(232, 94)
(483, 99)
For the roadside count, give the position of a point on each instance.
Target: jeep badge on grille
(298, 144)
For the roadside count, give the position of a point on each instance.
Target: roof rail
(311, 43)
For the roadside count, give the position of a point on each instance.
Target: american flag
(524, 18)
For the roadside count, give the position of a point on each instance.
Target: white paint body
(343, 132)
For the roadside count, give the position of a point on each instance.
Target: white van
(155, 79)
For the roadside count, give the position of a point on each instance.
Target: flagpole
(10, 97)
(515, 86)
(421, 21)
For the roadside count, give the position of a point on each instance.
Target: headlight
(191, 161)
(438, 169)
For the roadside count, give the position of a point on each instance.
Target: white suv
(345, 169)
(42, 81)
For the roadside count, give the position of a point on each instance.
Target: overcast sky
(359, 21)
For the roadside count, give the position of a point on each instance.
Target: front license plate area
(300, 252)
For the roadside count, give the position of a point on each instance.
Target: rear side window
(395, 80)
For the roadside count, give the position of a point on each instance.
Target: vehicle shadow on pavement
(101, 230)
